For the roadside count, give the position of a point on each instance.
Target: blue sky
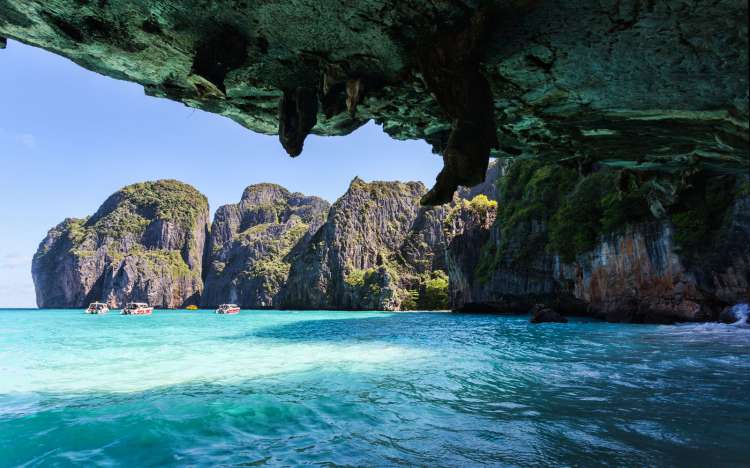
(70, 137)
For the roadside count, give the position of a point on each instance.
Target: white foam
(742, 313)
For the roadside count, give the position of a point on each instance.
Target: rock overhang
(655, 87)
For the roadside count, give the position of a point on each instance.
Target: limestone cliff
(253, 243)
(378, 250)
(145, 243)
(604, 244)
(650, 86)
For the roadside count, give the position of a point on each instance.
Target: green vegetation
(435, 292)
(702, 212)
(168, 260)
(130, 210)
(277, 241)
(356, 278)
(548, 207)
(595, 206)
(483, 205)
(168, 200)
(431, 291)
(480, 204)
(411, 300)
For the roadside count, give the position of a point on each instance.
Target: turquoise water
(368, 389)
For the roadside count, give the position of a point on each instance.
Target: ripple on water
(278, 388)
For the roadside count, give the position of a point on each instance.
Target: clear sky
(70, 137)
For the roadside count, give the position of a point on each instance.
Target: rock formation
(559, 240)
(378, 250)
(145, 243)
(253, 243)
(541, 313)
(608, 243)
(648, 86)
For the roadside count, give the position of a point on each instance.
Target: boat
(97, 308)
(228, 309)
(137, 308)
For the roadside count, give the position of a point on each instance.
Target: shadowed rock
(644, 86)
(297, 116)
(541, 313)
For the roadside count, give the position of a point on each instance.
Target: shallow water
(368, 389)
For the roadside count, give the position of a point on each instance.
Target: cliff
(253, 243)
(606, 244)
(378, 250)
(649, 86)
(145, 243)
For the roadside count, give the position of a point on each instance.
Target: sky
(70, 137)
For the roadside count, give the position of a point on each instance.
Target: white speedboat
(137, 308)
(228, 309)
(97, 308)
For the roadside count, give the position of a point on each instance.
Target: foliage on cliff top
(480, 204)
(385, 189)
(168, 200)
(132, 208)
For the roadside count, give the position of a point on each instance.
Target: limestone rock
(145, 243)
(648, 86)
(541, 313)
(550, 244)
(253, 243)
(378, 250)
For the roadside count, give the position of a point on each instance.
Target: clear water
(368, 389)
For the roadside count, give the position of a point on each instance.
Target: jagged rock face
(378, 250)
(145, 243)
(629, 83)
(253, 243)
(644, 270)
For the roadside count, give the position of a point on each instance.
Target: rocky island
(145, 243)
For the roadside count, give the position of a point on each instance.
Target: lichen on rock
(651, 87)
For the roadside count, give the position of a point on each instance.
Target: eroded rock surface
(645, 85)
(594, 246)
(254, 242)
(378, 250)
(145, 243)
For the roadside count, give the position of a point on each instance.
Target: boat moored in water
(96, 308)
(228, 309)
(137, 308)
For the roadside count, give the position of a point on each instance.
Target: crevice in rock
(68, 30)
(219, 54)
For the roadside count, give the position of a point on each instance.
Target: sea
(370, 389)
